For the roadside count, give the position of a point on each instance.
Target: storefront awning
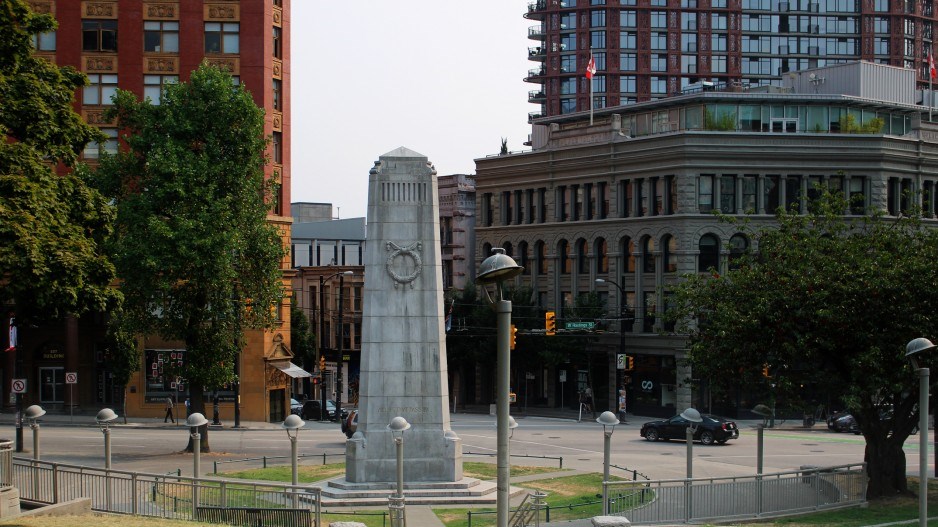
(291, 369)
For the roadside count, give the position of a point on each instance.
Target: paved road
(149, 446)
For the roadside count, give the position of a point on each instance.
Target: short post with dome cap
(912, 351)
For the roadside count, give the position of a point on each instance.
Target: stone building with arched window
(629, 197)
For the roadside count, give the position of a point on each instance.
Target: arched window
(509, 250)
(582, 257)
(563, 252)
(709, 257)
(602, 256)
(627, 250)
(540, 254)
(739, 245)
(669, 244)
(486, 250)
(648, 255)
(522, 258)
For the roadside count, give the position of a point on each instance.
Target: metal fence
(735, 498)
(265, 461)
(156, 495)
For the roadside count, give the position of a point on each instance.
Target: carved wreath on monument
(404, 274)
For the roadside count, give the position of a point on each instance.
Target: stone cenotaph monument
(403, 362)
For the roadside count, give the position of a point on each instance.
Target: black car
(312, 410)
(712, 429)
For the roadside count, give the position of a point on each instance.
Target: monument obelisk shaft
(403, 364)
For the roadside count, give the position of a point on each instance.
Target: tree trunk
(885, 467)
(197, 404)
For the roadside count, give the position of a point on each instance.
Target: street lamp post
(104, 419)
(496, 269)
(912, 349)
(622, 320)
(292, 425)
(765, 412)
(397, 426)
(609, 422)
(33, 413)
(693, 418)
(322, 338)
(194, 421)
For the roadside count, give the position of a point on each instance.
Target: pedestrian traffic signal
(550, 323)
(513, 337)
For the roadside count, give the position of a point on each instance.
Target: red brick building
(141, 46)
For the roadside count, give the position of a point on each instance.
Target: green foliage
(848, 125)
(725, 122)
(51, 226)
(302, 338)
(828, 301)
(198, 260)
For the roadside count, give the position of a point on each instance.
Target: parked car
(350, 424)
(845, 422)
(713, 429)
(296, 407)
(312, 410)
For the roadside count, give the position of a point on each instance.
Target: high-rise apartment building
(648, 49)
(141, 46)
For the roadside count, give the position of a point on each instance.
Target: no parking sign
(71, 377)
(19, 386)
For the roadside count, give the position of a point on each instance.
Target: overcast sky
(440, 77)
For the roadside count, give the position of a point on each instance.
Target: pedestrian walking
(169, 410)
(188, 408)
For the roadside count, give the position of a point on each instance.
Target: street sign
(563, 375)
(579, 325)
(19, 386)
(71, 377)
(620, 361)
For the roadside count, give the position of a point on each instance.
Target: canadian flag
(931, 66)
(591, 68)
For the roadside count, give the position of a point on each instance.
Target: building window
(161, 37)
(772, 202)
(659, 63)
(278, 43)
(100, 89)
(659, 40)
(566, 262)
(648, 255)
(602, 257)
(659, 85)
(153, 86)
(705, 193)
(659, 19)
(540, 253)
(567, 105)
(749, 194)
(277, 94)
(582, 257)
(44, 41)
(669, 244)
(728, 194)
(568, 64)
(110, 145)
(627, 18)
(278, 147)
(222, 38)
(598, 18)
(627, 84)
(568, 86)
(568, 42)
(599, 86)
(597, 39)
(709, 257)
(627, 62)
(739, 244)
(628, 40)
(99, 35)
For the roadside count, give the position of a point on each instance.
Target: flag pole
(589, 78)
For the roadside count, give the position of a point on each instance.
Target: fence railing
(265, 460)
(559, 459)
(735, 498)
(156, 495)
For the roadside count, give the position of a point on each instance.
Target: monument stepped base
(467, 491)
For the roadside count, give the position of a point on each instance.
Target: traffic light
(765, 370)
(322, 363)
(513, 337)
(629, 363)
(550, 323)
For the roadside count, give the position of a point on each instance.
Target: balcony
(537, 96)
(538, 53)
(536, 75)
(534, 115)
(536, 10)
(537, 32)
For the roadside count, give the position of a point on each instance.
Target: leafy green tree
(197, 259)
(51, 226)
(302, 338)
(830, 301)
